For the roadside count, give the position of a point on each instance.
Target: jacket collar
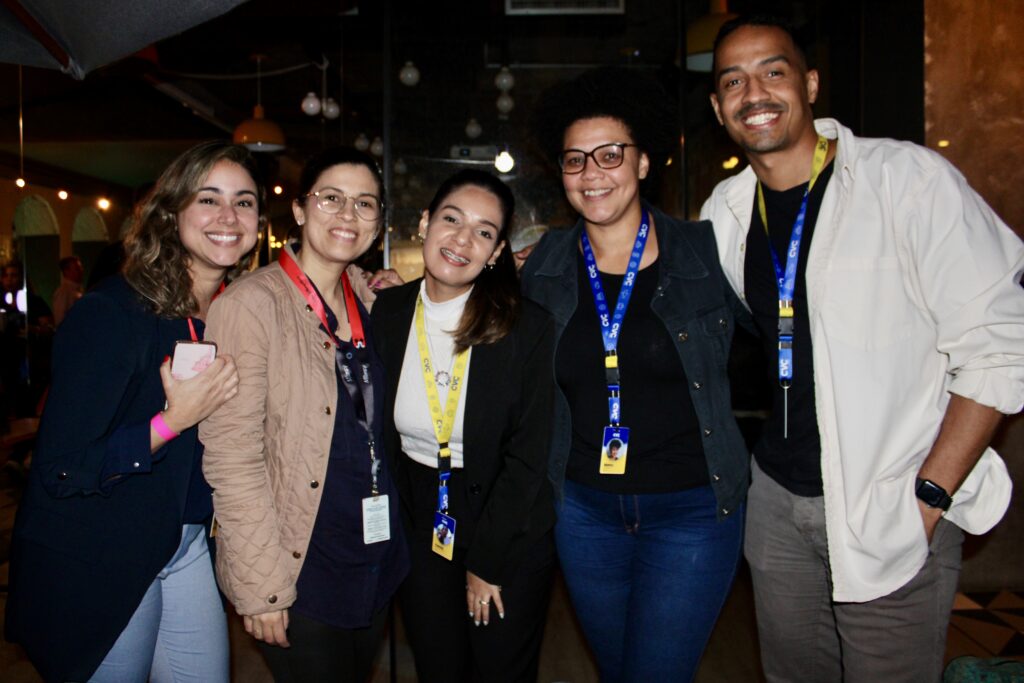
(560, 260)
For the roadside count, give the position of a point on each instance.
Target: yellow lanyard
(443, 422)
(820, 152)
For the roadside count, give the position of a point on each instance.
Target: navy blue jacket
(696, 305)
(88, 541)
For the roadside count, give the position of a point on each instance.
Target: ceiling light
(310, 104)
(20, 182)
(943, 143)
(504, 162)
(62, 194)
(103, 203)
(505, 103)
(377, 147)
(473, 129)
(258, 133)
(731, 163)
(278, 189)
(409, 75)
(362, 142)
(332, 109)
(504, 80)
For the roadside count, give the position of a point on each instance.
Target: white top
(912, 287)
(412, 414)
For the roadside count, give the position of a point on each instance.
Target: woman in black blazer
(468, 418)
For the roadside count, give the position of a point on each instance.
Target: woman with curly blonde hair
(110, 575)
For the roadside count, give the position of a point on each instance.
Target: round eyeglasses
(608, 156)
(332, 201)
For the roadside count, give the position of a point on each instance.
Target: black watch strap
(933, 495)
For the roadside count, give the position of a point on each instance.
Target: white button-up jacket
(913, 292)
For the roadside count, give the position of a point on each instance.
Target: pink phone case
(191, 358)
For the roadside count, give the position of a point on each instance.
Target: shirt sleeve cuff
(990, 388)
(128, 452)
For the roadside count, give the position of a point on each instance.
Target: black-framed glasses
(608, 156)
(332, 200)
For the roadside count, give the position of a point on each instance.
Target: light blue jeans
(179, 631)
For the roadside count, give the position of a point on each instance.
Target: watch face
(932, 494)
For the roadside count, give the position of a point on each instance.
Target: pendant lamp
(259, 134)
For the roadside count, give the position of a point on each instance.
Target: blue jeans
(179, 631)
(647, 575)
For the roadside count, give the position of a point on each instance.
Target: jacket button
(62, 475)
(715, 477)
(272, 599)
(723, 322)
(296, 554)
(327, 344)
(683, 336)
(707, 432)
(314, 484)
(697, 385)
(309, 309)
(327, 410)
(475, 489)
(725, 511)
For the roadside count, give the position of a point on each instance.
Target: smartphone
(191, 358)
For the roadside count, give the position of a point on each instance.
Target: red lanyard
(309, 293)
(191, 325)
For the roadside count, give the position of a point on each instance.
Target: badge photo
(190, 358)
(614, 446)
(442, 537)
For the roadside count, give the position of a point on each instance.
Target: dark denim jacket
(697, 307)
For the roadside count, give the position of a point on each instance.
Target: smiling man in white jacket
(898, 344)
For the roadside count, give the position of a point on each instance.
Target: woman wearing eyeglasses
(309, 543)
(648, 463)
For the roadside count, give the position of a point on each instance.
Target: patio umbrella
(79, 36)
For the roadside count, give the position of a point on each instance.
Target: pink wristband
(161, 428)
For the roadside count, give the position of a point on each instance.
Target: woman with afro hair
(647, 461)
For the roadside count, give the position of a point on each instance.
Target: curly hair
(627, 95)
(156, 262)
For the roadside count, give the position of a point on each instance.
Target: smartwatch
(933, 495)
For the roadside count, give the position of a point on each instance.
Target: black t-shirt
(665, 450)
(795, 461)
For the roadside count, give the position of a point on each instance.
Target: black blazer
(507, 431)
(86, 546)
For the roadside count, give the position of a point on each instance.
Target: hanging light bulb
(409, 75)
(377, 147)
(473, 129)
(504, 161)
(311, 104)
(400, 167)
(504, 80)
(362, 142)
(20, 182)
(505, 103)
(332, 109)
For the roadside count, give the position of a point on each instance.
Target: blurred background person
(70, 289)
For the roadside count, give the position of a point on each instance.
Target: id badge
(376, 520)
(443, 535)
(614, 445)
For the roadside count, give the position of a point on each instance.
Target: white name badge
(376, 521)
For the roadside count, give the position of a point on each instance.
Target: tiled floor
(983, 625)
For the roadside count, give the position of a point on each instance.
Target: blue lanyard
(787, 279)
(611, 322)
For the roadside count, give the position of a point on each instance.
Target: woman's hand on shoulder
(191, 401)
(270, 627)
(384, 279)
(479, 596)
